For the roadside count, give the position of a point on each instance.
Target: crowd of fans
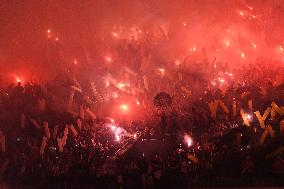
(45, 145)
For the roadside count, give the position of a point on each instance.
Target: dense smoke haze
(83, 30)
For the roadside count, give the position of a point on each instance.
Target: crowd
(88, 112)
(52, 140)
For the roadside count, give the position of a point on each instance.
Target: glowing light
(254, 45)
(249, 117)
(241, 13)
(138, 103)
(188, 140)
(49, 36)
(48, 31)
(56, 39)
(108, 59)
(75, 62)
(221, 80)
(230, 74)
(227, 43)
(242, 55)
(193, 49)
(117, 138)
(124, 107)
(250, 7)
(135, 136)
(281, 48)
(107, 83)
(114, 34)
(115, 95)
(184, 23)
(113, 127)
(162, 70)
(121, 85)
(18, 80)
(177, 62)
